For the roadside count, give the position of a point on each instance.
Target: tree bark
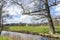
(1, 26)
(0, 19)
(52, 29)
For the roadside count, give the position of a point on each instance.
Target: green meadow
(38, 29)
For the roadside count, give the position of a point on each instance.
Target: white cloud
(58, 7)
(14, 20)
(13, 9)
(25, 19)
(57, 10)
(17, 10)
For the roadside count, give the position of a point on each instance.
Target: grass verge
(4, 38)
(38, 29)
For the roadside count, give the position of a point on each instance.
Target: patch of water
(22, 36)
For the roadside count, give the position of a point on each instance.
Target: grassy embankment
(38, 29)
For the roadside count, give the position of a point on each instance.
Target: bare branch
(35, 12)
(55, 3)
(20, 5)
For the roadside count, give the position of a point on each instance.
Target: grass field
(38, 29)
(5, 38)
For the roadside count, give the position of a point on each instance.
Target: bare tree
(1, 15)
(52, 29)
(44, 7)
(2, 2)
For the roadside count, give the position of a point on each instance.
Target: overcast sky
(16, 12)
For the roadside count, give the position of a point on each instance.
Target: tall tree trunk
(1, 26)
(0, 19)
(52, 29)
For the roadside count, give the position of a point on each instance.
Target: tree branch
(54, 4)
(20, 5)
(35, 12)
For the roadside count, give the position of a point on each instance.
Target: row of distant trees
(55, 22)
